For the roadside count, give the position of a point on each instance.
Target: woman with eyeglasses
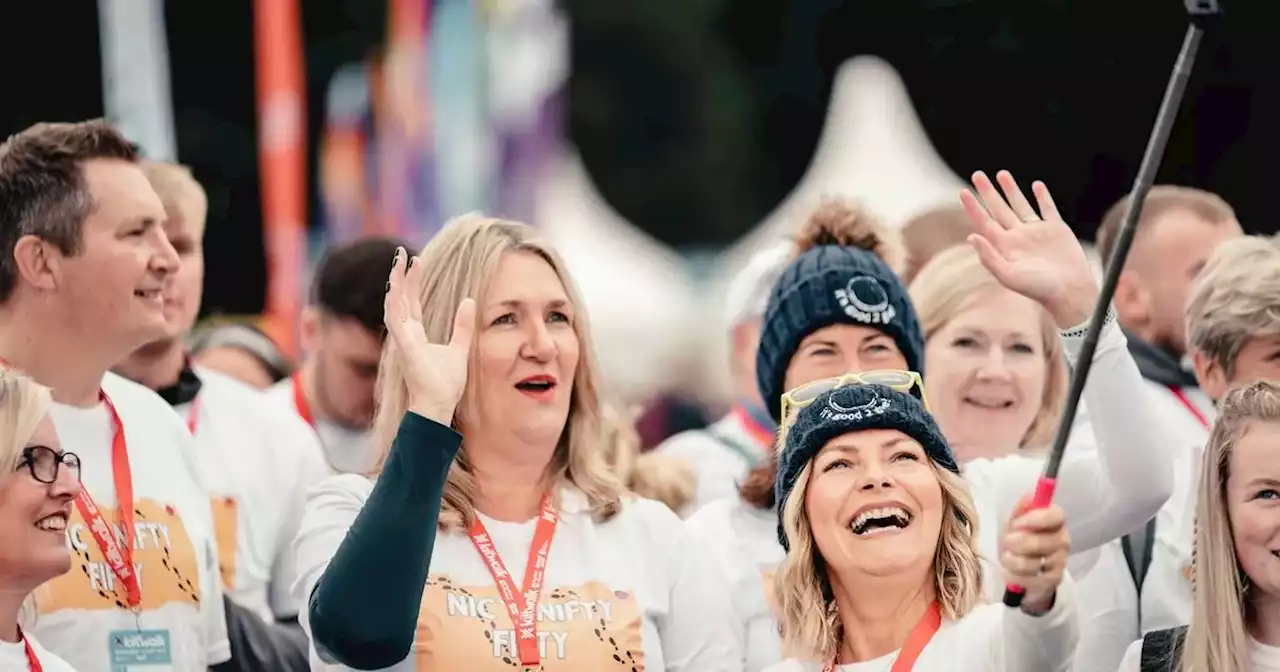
(36, 491)
(840, 308)
(882, 568)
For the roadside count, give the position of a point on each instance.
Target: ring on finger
(1032, 219)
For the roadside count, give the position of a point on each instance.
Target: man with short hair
(342, 334)
(1179, 228)
(256, 459)
(723, 453)
(1233, 330)
(84, 267)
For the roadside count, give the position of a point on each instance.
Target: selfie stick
(1202, 12)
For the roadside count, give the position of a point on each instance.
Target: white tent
(873, 148)
(639, 295)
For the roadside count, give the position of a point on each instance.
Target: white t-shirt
(1262, 658)
(13, 657)
(1166, 592)
(634, 589)
(743, 542)
(991, 638)
(257, 462)
(346, 451)
(721, 455)
(182, 616)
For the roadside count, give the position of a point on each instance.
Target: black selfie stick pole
(1202, 12)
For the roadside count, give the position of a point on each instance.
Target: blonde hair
(662, 478)
(459, 263)
(1234, 299)
(1220, 605)
(175, 185)
(949, 284)
(807, 617)
(24, 404)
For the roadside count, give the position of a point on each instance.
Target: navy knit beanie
(854, 408)
(832, 284)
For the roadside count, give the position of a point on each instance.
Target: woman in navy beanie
(882, 565)
(839, 306)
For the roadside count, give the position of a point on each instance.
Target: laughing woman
(882, 569)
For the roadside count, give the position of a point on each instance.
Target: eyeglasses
(902, 381)
(44, 462)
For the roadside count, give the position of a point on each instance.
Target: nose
(165, 261)
(994, 366)
(66, 486)
(873, 476)
(539, 346)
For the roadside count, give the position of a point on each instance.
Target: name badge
(144, 650)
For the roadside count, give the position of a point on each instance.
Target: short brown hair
(1162, 199)
(42, 187)
(930, 233)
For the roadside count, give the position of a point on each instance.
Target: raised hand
(435, 374)
(1034, 552)
(1035, 255)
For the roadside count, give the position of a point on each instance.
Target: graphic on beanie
(864, 299)
(837, 412)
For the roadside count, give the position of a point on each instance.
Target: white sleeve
(1116, 489)
(697, 633)
(212, 610)
(1108, 605)
(717, 477)
(300, 462)
(1046, 642)
(706, 531)
(1132, 661)
(332, 506)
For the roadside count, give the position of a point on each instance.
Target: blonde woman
(1235, 622)
(997, 382)
(36, 492)
(882, 569)
(495, 535)
(662, 478)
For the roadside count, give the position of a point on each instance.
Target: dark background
(696, 117)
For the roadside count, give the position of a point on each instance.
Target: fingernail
(411, 261)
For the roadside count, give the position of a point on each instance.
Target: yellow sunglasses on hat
(902, 381)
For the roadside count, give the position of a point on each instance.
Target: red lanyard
(1177, 392)
(300, 399)
(193, 415)
(762, 435)
(916, 641)
(118, 557)
(522, 605)
(32, 662)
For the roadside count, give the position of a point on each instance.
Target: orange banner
(282, 161)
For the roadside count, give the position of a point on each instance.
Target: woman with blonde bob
(882, 569)
(997, 382)
(495, 534)
(1235, 621)
(37, 487)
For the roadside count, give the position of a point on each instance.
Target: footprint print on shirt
(162, 554)
(580, 629)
